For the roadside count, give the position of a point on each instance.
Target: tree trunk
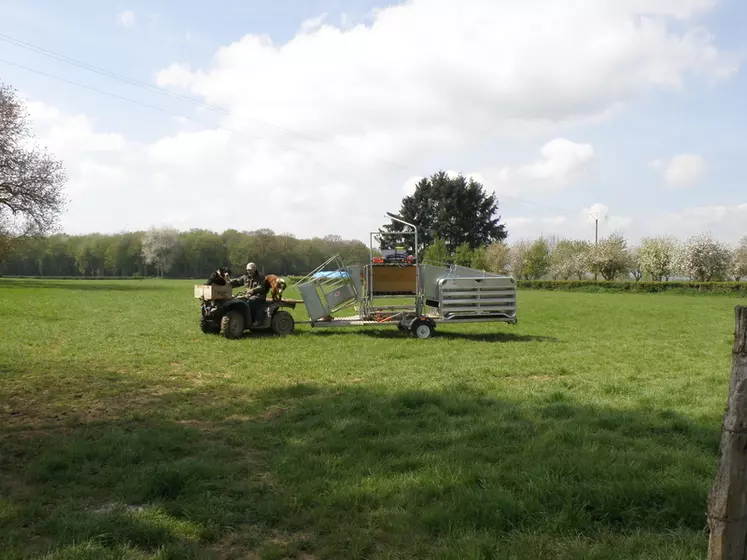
(727, 500)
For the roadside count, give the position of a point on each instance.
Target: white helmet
(251, 267)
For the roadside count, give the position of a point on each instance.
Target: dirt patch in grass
(14, 486)
(271, 414)
(247, 543)
(202, 425)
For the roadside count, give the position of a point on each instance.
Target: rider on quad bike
(254, 286)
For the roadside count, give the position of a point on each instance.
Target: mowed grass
(590, 430)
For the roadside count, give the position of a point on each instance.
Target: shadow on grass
(393, 333)
(357, 472)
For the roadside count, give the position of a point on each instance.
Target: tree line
(701, 258)
(176, 254)
(457, 222)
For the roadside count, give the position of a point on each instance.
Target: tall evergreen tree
(455, 209)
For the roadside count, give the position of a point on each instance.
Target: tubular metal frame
(366, 304)
(370, 315)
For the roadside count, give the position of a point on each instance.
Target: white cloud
(311, 25)
(725, 222)
(409, 187)
(607, 220)
(326, 128)
(127, 18)
(521, 221)
(562, 162)
(399, 72)
(683, 170)
(71, 137)
(574, 225)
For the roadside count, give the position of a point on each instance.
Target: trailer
(399, 290)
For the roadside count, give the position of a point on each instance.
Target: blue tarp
(330, 274)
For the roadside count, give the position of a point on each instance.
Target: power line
(138, 83)
(192, 100)
(189, 99)
(595, 215)
(141, 103)
(162, 91)
(551, 207)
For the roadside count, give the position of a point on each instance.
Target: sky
(317, 117)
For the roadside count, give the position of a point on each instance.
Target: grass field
(590, 430)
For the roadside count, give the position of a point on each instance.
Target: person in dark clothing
(254, 285)
(252, 281)
(218, 277)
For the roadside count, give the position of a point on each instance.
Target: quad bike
(231, 317)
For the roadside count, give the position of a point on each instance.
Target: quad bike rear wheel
(283, 323)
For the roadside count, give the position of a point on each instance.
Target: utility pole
(596, 230)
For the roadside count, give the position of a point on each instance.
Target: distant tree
(201, 252)
(706, 259)
(436, 253)
(160, 247)
(635, 268)
(6, 242)
(517, 258)
(497, 258)
(479, 259)
(658, 257)
(31, 181)
(569, 259)
(263, 250)
(455, 209)
(463, 255)
(90, 255)
(352, 251)
(537, 260)
(610, 257)
(739, 260)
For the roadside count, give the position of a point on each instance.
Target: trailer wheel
(421, 329)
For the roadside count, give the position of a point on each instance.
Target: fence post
(727, 500)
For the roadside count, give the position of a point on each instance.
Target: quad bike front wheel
(209, 327)
(232, 324)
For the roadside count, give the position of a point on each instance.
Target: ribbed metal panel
(477, 295)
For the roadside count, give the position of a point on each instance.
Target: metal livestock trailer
(404, 292)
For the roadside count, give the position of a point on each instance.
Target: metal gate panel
(477, 295)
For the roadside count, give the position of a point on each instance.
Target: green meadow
(589, 430)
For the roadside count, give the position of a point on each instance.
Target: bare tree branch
(31, 181)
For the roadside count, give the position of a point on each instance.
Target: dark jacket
(254, 284)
